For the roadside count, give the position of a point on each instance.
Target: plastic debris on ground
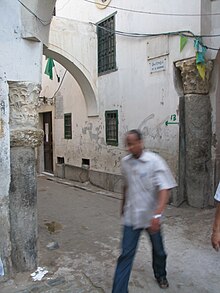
(1, 268)
(39, 274)
(53, 245)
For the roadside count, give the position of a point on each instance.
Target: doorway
(48, 142)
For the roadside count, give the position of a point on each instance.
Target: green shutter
(106, 45)
(111, 127)
(68, 126)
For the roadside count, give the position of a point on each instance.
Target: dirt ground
(85, 222)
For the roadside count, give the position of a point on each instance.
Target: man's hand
(154, 225)
(163, 196)
(215, 240)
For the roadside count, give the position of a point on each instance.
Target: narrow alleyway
(85, 223)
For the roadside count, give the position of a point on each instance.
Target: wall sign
(173, 120)
(157, 64)
(102, 4)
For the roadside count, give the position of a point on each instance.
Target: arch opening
(88, 90)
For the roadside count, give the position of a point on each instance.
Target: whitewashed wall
(143, 100)
(20, 57)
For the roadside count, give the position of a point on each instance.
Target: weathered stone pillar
(197, 132)
(24, 137)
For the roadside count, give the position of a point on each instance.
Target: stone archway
(71, 44)
(79, 76)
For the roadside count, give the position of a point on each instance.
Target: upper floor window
(106, 45)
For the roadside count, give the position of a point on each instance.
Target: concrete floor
(85, 222)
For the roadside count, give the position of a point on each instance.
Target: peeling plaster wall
(88, 132)
(143, 100)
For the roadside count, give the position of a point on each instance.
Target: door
(48, 142)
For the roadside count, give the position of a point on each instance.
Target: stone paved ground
(84, 220)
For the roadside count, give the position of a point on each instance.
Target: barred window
(106, 45)
(68, 126)
(111, 123)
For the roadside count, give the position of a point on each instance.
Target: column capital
(23, 99)
(192, 81)
(26, 137)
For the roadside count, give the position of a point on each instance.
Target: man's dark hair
(136, 132)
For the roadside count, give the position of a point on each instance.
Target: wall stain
(151, 116)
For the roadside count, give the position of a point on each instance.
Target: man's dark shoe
(162, 282)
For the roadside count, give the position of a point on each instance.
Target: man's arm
(216, 229)
(123, 199)
(163, 198)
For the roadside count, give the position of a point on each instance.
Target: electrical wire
(156, 13)
(127, 34)
(59, 84)
(44, 22)
(188, 34)
(208, 48)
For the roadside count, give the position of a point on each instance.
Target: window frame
(103, 72)
(109, 141)
(68, 135)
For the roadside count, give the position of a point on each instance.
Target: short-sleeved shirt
(144, 177)
(217, 193)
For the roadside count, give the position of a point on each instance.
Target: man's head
(134, 142)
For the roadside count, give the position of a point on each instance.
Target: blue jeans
(125, 260)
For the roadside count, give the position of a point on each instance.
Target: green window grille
(111, 124)
(68, 126)
(106, 45)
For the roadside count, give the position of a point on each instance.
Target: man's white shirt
(144, 177)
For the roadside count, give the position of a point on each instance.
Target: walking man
(147, 181)
(216, 225)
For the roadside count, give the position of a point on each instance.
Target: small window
(60, 160)
(85, 163)
(106, 45)
(111, 123)
(68, 126)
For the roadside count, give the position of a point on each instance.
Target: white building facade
(136, 84)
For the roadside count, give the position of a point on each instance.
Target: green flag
(49, 68)
(183, 41)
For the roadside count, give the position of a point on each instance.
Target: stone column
(24, 137)
(197, 128)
